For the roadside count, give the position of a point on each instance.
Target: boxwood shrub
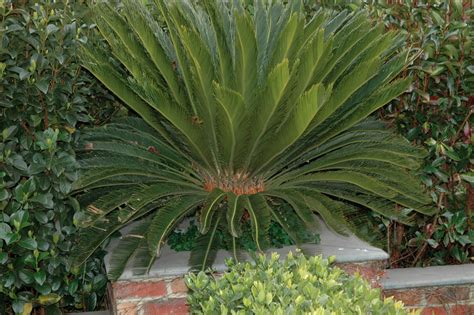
(295, 285)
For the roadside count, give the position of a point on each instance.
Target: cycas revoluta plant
(258, 110)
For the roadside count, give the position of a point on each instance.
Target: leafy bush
(436, 112)
(242, 112)
(44, 97)
(296, 285)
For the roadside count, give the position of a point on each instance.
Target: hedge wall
(45, 97)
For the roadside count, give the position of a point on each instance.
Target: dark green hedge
(45, 97)
(437, 113)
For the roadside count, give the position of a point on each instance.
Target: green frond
(260, 218)
(235, 212)
(126, 248)
(295, 199)
(206, 246)
(209, 208)
(166, 218)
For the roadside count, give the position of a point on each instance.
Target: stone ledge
(348, 249)
(405, 278)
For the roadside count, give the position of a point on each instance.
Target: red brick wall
(149, 297)
(168, 296)
(446, 300)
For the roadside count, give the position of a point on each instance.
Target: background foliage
(45, 97)
(437, 113)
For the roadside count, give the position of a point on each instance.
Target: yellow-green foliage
(296, 285)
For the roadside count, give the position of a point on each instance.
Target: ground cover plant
(45, 96)
(437, 113)
(295, 285)
(184, 239)
(244, 111)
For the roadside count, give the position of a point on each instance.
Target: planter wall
(163, 290)
(436, 290)
(442, 290)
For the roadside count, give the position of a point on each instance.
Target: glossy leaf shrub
(44, 98)
(438, 113)
(295, 285)
(245, 111)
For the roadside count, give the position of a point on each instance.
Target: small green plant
(296, 285)
(184, 240)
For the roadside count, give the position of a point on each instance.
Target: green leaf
(19, 163)
(20, 219)
(11, 238)
(452, 154)
(48, 299)
(46, 199)
(4, 230)
(99, 282)
(9, 132)
(28, 243)
(26, 276)
(22, 73)
(43, 86)
(468, 177)
(91, 301)
(51, 28)
(3, 258)
(18, 306)
(72, 287)
(433, 243)
(40, 277)
(41, 217)
(4, 194)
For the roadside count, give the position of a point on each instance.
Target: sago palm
(254, 110)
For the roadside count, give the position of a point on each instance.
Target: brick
(171, 307)
(178, 286)
(369, 271)
(440, 310)
(411, 297)
(445, 295)
(460, 310)
(127, 309)
(124, 290)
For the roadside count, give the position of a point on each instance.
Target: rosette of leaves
(259, 112)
